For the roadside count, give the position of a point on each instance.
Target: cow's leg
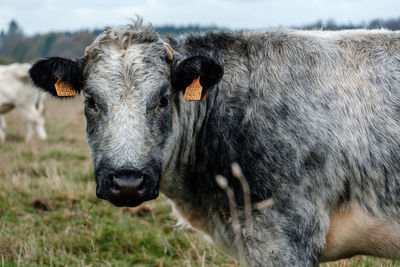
(40, 103)
(35, 122)
(29, 131)
(39, 127)
(2, 128)
(291, 233)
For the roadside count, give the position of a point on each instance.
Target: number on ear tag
(64, 88)
(193, 91)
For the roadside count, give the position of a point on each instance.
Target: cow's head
(129, 77)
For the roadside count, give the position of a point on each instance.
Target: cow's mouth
(128, 203)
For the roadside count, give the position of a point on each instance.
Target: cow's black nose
(125, 184)
(127, 188)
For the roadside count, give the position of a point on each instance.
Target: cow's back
(16, 86)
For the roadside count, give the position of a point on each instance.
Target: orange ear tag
(64, 88)
(193, 91)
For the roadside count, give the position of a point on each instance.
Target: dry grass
(46, 189)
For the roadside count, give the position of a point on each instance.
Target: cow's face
(129, 119)
(128, 86)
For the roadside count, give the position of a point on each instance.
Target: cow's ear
(183, 73)
(58, 76)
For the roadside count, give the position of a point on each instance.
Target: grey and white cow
(313, 119)
(17, 91)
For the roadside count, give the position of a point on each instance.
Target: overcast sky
(40, 16)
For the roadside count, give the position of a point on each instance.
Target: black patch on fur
(211, 42)
(314, 160)
(45, 73)
(184, 72)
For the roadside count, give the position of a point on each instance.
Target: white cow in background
(17, 91)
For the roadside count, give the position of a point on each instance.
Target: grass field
(46, 189)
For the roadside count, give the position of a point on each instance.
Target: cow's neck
(189, 150)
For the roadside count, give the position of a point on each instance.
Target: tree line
(15, 46)
(331, 25)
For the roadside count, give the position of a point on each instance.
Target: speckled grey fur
(312, 118)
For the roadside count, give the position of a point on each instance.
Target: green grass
(5, 60)
(46, 189)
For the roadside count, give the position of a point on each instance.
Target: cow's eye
(163, 102)
(90, 103)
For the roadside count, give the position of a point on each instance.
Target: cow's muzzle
(126, 188)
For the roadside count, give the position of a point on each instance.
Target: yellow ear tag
(193, 91)
(64, 88)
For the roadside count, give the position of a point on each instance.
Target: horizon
(192, 25)
(38, 17)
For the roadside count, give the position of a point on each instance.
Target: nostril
(115, 186)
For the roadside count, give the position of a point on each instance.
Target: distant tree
(376, 24)
(1, 39)
(331, 25)
(13, 28)
(13, 42)
(171, 29)
(318, 24)
(393, 24)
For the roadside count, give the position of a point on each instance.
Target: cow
(17, 91)
(311, 117)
